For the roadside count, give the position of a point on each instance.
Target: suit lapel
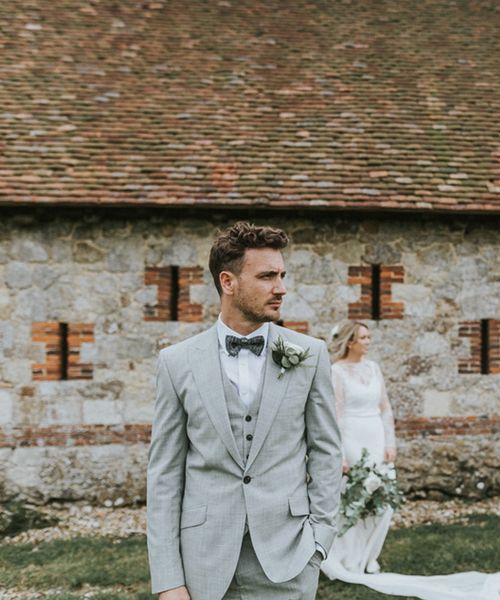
(273, 392)
(206, 369)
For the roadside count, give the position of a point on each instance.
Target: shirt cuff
(321, 550)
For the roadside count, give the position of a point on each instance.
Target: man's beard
(255, 316)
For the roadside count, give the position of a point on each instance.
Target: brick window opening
(173, 299)
(62, 351)
(375, 292)
(485, 362)
(484, 343)
(174, 293)
(63, 336)
(375, 300)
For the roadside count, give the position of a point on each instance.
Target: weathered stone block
(17, 371)
(437, 404)
(108, 412)
(379, 253)
(85, 251)
(429, 344)
(5, 304)
(4, 258)
(6, 407)
(61, 411)
(27, 250)
(449, 467)
(18, 275)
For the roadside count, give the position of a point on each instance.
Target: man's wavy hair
(228, 250)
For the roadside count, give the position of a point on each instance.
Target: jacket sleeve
(165, 483)
(324, 453)
(339, 391)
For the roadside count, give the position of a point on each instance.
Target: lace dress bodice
(360, 392)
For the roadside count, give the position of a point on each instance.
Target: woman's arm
(388, 422)
(338, 388)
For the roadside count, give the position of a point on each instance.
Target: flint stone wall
(87, 439)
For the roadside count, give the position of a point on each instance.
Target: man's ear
(227, 282)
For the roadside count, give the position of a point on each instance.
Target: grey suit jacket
(201, 492)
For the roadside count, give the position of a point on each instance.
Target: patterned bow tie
(235, 344)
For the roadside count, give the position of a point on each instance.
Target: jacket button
(247, 479)
(248, 418)
(249, 437)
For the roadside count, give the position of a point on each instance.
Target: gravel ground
(427, 512)
(84, 520)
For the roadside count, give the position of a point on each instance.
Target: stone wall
(88, 299)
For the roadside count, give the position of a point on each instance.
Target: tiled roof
(309, 103)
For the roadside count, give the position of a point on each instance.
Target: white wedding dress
(365, 419)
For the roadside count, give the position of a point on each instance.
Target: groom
(244, 466)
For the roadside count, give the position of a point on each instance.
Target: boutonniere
(287, 355)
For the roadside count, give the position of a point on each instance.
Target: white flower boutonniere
(287, 355)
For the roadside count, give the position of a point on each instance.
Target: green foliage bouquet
(369, 490)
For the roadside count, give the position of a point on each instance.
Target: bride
(365, 418)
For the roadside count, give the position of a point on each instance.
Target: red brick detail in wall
(75, 435)
(188, 311)
(388, 276)
(62, 351)
(300, 326)
(162, 278)
(471, 330)
(494, 346)
(174, 294)
(439, 427)
(50, 334)
(100, 435)
(362, 309)
(78, 334)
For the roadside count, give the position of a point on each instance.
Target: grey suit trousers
(251, 583)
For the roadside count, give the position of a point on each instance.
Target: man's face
(258, 290)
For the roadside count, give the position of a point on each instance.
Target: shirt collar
(223, 330)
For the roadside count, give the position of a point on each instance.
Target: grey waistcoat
(242, 418)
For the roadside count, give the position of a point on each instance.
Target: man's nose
(280, 288)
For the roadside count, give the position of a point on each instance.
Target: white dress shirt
(245, 369)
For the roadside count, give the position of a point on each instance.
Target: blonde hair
(345, 332)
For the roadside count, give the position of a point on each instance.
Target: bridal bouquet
(369, 490)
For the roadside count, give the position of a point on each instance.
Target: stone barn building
(131, 131)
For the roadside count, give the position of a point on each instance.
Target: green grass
(119, 567)
(71, 564)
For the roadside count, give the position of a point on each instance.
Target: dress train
(470, 585)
